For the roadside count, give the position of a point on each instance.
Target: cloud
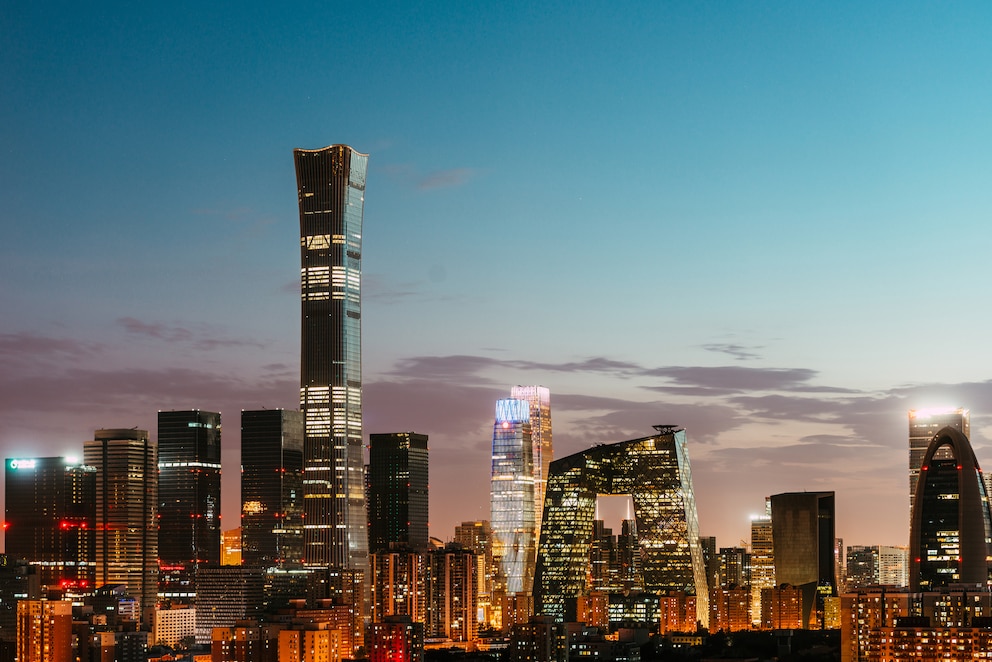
(177, 334)
(445, 178)
(735, 377)
(739, 352)
(33, 346)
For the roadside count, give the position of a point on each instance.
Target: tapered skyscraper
(923, 425)
(539, 398)
(331, 188)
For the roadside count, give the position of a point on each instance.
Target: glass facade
(539, 398)
(189, 498)
(512, 496)
(951, 531)
(272, 488)
(923, 425)
(398, 477)
(655, 472)
(331, 193)
(126, 463)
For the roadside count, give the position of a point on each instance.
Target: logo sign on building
(21, 464)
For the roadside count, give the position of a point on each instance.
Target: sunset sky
(766, 222)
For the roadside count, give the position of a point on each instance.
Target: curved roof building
(951, 530)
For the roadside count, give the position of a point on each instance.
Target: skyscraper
(398, 505)
(512, 496)
(50, 519)
(951, 524)
(539, 399)
(655, 472)
(331, 192)
(189, 498)
(803, 535)
(923, 425)
(126, 463)
(762, 559)
(272, 488)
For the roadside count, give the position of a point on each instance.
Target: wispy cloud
(739, 352)
(446, 178)
(178, 334)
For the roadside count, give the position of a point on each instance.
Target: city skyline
(717, 217)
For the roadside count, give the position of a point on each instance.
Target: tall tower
(923, 425)
(803, 535)
(331, 191)
(189, 498)
(126, 463)
(762, 559)
(512, 496)
(539, 398)
(272, 488)
(951, 522)
(50, 519)
(398, 505)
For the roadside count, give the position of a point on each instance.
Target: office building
(512, 496)
(18, 581)
(174, 627)
(870, 565)
(735, 567)
(230, 547)
(803, 534)
(44, 631)
(951, 524)
(331, 193)
(226, 594)
(762, 559)
(50, 519)
(272, 488)
(189, 499)
(126, 463)
(539, 399)
(655, 472)
(923, 425)
(397, 493)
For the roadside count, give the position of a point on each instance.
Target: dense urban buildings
(397, 492)
(331, 192)
(655, 472)
(923, 425)
(512, 496)
(804, 536)
(949, 536)
(869, 565)
(50, 519)
(272, 488)
(126, 545)
(189, 498)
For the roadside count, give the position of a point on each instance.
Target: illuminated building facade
(272, 488)
(452, 592)
(762, 559)
(44, 631)
(512, 496)
(868, 565)
(782, 608)
(655, 472)
(951, 529)
(539, 398)
(923, 425)
(478, 536)
(50, 519)
(126, 463)
(396, 639)
(331, 192)
(398, 581)
(226, 594)
(804, 538)
(730, 609)
(398, 505)
(189, 498)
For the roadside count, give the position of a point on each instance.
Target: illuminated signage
(21, 464)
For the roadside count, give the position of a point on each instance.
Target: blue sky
(767, 222)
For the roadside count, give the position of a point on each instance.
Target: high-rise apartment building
(452, 593)
(44, 631)
(655, 472)
(923, 425)
(803, 535)
(870, 565)
(951, 523)
(331, 192)
(539, 398)
(397, 478)
(272, 488)
(512, 496)
(50, 519)
(189, 498)
(126, 463)
(398, 581)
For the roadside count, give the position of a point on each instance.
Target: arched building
(951, 530)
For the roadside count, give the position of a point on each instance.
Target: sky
(766, 222)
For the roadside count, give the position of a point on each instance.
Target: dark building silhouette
(126, 463)
(331, 192)
(50, 516)
(189, 498)
(923, 425)
(803, 535)
(655, 472)
(951, 525)
(398, 505)
(272, 488)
